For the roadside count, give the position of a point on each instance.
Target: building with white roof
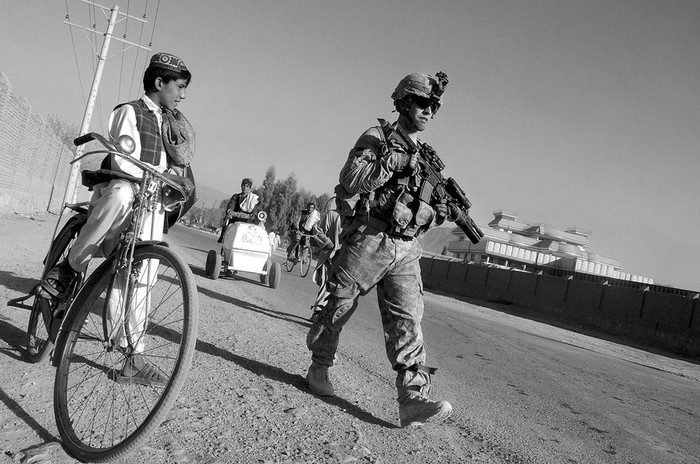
(512, 243)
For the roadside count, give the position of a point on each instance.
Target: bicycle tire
(98, 418)
(289, 263)
(39, 337)
(305, 261)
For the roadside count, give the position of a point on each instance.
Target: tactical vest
(398, 202)
(395, 208)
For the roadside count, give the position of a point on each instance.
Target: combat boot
(318, 380)
(415, 410)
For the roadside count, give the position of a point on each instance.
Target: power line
(75, 55)
(136, 60)
(155, 20)
(121, 66)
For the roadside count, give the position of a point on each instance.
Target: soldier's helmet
(417, 84)
(421, 85)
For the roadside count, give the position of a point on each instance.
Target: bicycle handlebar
(83, 139)
(114, 149)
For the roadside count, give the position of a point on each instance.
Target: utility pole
(71, 188)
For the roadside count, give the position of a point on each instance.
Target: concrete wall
(35, 162)
(653, 318)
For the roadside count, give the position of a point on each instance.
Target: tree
(64, 130)
(321, 202)
(267, 189)
(68, 132)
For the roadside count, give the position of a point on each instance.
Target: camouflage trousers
(364, 261)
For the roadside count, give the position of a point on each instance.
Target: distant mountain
(208, 197)
(437, 238)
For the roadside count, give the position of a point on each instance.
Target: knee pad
(339, 311)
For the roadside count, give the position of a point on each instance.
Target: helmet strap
(403, 106)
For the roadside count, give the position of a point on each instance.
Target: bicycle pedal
(19, 302)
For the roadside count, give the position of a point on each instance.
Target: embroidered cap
(248, 181)
(167, 61)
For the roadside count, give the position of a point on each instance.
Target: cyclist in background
(164, 139)
(305, 225)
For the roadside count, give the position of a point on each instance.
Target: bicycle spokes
(100, 404)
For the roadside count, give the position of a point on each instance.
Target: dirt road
(246, 400)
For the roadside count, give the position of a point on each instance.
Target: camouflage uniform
(376, 254)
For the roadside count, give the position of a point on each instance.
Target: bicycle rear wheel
(99, 418)
(39, 336)
(290, 262)
(305, 261)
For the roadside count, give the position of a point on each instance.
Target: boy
(146, 120)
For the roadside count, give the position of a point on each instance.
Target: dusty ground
(264, 414)
(257, 409)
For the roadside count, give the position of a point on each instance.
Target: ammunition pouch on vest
(395, 208)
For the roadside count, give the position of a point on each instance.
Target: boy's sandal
(56, 283)
(148, 376)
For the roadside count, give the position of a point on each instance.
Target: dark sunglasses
(423, 103)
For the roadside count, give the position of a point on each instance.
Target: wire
(136, 60)
(155, 19)
(93, 20)
(121, 66)
(75, 55)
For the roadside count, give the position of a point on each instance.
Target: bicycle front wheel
(39, 336)
(100, 417)
(305, 261)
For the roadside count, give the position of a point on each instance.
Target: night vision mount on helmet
(420, 85)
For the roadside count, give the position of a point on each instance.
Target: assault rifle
(436, 188)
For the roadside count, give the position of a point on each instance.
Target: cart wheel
(275, 275)
(213, 264)
(264, 278)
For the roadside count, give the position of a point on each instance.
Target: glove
(396, 162)
(441, 210)
(397, 159)
(440, 213)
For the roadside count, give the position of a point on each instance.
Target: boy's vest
(151, 147)
(149, 132)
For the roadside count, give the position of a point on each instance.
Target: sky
(575, 113)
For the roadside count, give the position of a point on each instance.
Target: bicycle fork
(126, 305)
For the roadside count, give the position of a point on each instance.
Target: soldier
(383, 214)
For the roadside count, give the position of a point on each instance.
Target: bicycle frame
(146, 199)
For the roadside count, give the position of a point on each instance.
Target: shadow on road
(13, 337)
(578, 327)
(17, 283)
(18, 411)
(297, 381)
(258, 309)
(195, 249)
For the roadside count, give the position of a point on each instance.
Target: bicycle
(99, 416)
(46, 314)
(302, 254)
